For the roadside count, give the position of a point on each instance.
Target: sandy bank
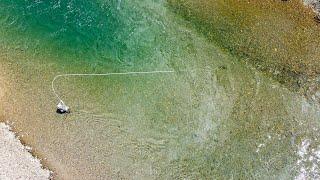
(16, 161)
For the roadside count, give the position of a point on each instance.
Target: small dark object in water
(62, 111)
(316, 19)
(223, 67)
(62, 108)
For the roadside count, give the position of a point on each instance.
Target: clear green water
(218, 120)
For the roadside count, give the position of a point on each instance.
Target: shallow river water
(215, 117)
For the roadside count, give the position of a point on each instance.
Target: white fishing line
(119, 4)
(65, 109)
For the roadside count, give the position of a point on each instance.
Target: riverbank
(216, 117)
(16, 159)
(16, 162)
(279, 38)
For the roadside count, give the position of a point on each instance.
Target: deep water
(215, 118)
(100, 31)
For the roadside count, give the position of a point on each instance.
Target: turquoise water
(94, 31)
(214, 118)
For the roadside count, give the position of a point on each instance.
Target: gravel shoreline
(16, 161)
(314, 4)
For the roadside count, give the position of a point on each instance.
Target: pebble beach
(16, 160)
